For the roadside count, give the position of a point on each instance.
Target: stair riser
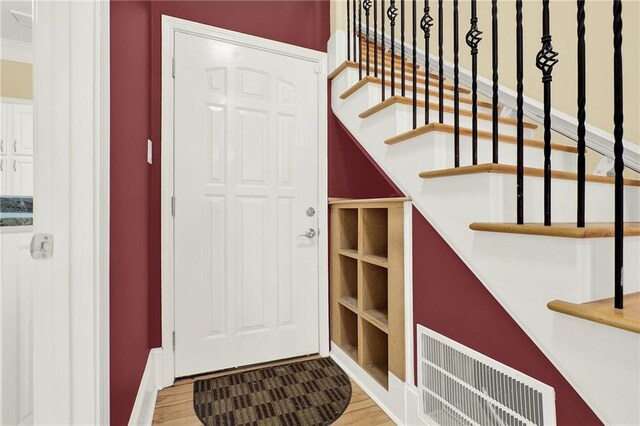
(434, 151)
(502, 187)
(434, 99)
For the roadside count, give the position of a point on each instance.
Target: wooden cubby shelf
(367, 284)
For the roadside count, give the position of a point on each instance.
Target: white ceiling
(9, 27)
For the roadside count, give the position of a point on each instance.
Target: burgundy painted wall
(129, 235)
(449, 299)
(302, 23)
(135, 186)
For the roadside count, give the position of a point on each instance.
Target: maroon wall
(129, 237)
(135, 186)
(449, 299)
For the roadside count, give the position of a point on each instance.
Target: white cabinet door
(4, 165)
(22, 129)
(21, 175)
(16, 331)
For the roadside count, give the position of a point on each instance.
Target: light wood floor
(174, 405)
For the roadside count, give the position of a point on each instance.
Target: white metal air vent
(459, 386)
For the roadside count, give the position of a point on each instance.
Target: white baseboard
(390, 401)
(412, 405)
(145, 404)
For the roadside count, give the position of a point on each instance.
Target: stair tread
(482, 134)
(603, 312)
(377, 80)
(433, 106)
(566, 230)
(432, 77)
(511, 169)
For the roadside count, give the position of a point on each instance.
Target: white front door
(245, 173)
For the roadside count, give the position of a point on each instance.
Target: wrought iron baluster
(355, 34)
(360, 38)
(545, 61)
(392, 12)
(402, 54)
(618, 149)
(383, 53)
(473, 39)
(520, 114)
(367, 9)
(582, 101)
(375, 38)
(494, 69)
(440, 63)
(413, 69)
(425, 24)
(456, 84)
(348, 31)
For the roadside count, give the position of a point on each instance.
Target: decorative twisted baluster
(618, 150)
(473, 39)
(348, 31)
(520, 114)
(582, 115)
(375, 38)
(392, 12)
(425, 24)
(440, 63)
(545, 61)
(414, 65)
(494, 69)
(366, 5)
(456, 84)
(383, 53)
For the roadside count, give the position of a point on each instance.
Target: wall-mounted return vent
(459, 386)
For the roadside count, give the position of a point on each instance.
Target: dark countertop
(16, 211)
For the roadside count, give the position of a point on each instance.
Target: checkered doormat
(307, 393)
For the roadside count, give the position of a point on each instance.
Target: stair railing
(545, 61)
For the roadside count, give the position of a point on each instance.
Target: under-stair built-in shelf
(367, 284)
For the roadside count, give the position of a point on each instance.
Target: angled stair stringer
(523, 273)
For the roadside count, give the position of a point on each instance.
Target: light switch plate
(149, 151)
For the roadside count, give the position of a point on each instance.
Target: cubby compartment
(348, 340)
(349, 225)
(375, 295)
(367, 285)
(375, 232)
(348, 292)
(375, 353)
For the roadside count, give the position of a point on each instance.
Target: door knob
(309, 233)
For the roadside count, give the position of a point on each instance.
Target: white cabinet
(16, 147)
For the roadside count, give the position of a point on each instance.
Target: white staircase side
(522, 272)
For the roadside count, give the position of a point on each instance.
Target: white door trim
(71, 290)
(170, 25)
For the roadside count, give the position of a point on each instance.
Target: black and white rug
(307, 393)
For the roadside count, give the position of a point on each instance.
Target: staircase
(556, 281)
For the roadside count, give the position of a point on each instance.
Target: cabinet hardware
(1, 164)
(14, 166)
(1, 146)
(15, 145)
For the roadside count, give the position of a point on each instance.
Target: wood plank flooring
(174, 405)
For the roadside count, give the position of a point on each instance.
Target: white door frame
(71, 290)
(170, 25)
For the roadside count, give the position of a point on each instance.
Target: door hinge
(173, 340)
(173, 67)
(173, 205)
